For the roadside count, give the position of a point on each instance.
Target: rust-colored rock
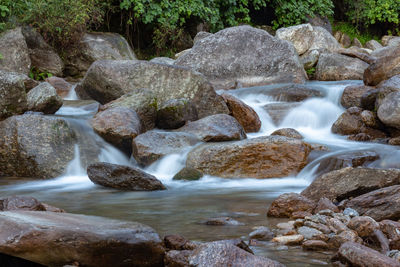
(325, 204)
(364, 226)
(243, 113)
(62, 86)
(315, 245)
(262, 157)
(177, 242)
(285, 205)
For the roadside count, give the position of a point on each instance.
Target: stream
(182, 208)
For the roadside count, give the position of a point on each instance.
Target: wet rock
(262, 157)
(143, 102)
(107, 80)
(349, 122)
(152, 145)
(370, 119)
(319, 226)
(286, 204)
(188, 174)
(177, 258)
(286, 225)
(222, 221)
(346, 236)
(175, 113)
(358, 255)
(315, 245)
(290, 240)
(278, 111)
(380, 204)
(391, 229)
(288, 132)
(364, 226)
(215, 128)
(43, 56)
(20, 203)
(384, 67)
(309, 233)
(351, 96)
(336, 225)
(335, 67)
(389, 111)
(373, 45)
(293, 93)
(243, 113)
(177, 242)
(300, 214)
(225, 254)
(350, 182)
(301, 36)
(35, 146)
(122, 177)
(44, 98)
(62, 86)
(368, 99)
(163, 60)
(97, 46)
(118, 126)
(13, 99)
(262, 233)
(325, 204)
(84, 238)
(256, 52)
(15, 52)
(350, 212)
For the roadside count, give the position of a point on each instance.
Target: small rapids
(185, 203)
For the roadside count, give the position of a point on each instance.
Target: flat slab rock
(58, 239)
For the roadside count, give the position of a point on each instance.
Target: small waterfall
(72, 94)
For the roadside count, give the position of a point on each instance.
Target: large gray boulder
(13, 98)
(97, 46)
(36, 146)
(58, 239)
(262, 157)
(107, 80)
(44, 98)
(350, 182)
(323, 40)
(386, 66)
(335, 67)
(244, 55)
(389, 110)
(14, 52)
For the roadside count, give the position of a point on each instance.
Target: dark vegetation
(163, 27)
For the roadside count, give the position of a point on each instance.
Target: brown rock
(390, 228)
(37, 236)
(285, 205)
(175, 113)
(358, 255)
(20, 203)
(262, 233)
(300, 214)
(123, 177)
(350, 182)
(243, 113)
(177, 242)
(352, 94)
(325, 204)
(345, 236)
(348, 123)
(262, 157)
(291, 240)
(288, 132)
(177, 258)
(118, 126)
(221, 221)
(384, 67)
(62, 86)
(315, 245)
(380, 204)
(364, 226)
(336, 225)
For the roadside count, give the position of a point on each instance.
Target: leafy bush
(353, 32)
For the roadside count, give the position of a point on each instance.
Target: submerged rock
(262, 157)
(260, 58)
(36, 236)
(123, 177)
(44, 98)
(188, 174)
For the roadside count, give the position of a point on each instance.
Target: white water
(72, 94)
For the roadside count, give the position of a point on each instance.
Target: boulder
(37, 146)
(43, 57)
(260, 58)
(219, 253)
(389, 110)
(288, 132)
(335, 67)
(118, 126)
(97, 46)
(355, 254)
(262, 233)
(301, 36)
(44, 98)
(62, 86)
(365, 226)
(349, 122)
(177, 242)
(356, 43)
(385, 88)
(177, 258)
(389, 40)
(325, 204)
(356, 52)
(291, 240)
(285, 205)
(123, 177)
(152, 145)
(243, 113)
(292, 93)
(13, 203)
(14, 51)
(368, 99)
(315, 245)
(143, 102)
(215, 128)
(201, 35)
(188, 174)
(373, 45)
(323, 40)
(163, 60)
(385, 67)
(381, 204)
(352, 94)
(36, 236)
(309, 59)
(13, 98)
(350, 182)
(175, 113)
(262, 157)
(319, 21)
(278, 111)
(107, 80)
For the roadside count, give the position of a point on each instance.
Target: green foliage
(37, 75)
(311, 73)
(294, 12)
(353, 32)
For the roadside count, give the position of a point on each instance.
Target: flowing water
(182, 208)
